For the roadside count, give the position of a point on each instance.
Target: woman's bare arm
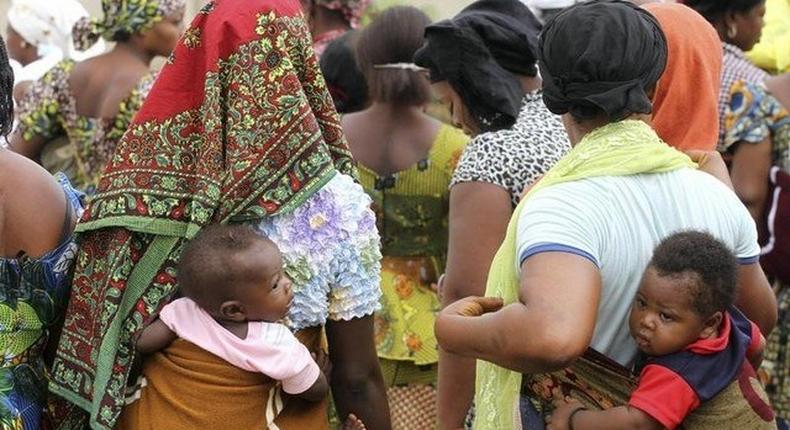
(28, 148)
(755, 297)
(33, 205)
(550, 327)
(779, 87)
(750, 165)
(479, 213)
(357, 384)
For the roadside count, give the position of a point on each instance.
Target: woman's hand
(473, 306)
(711, 163)
(453, 322)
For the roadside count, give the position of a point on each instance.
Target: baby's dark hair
(702, 262)
(212, 267)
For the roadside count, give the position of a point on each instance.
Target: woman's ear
(651, 92)
(233, 311)
(730, 20)
(712, 325)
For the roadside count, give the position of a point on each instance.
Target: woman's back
(100, 85)
(387, 145)
(410, 190)
(616, 222)
(91, 104)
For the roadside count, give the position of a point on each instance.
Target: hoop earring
(732, 32)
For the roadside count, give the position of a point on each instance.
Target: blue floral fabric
(752, 115)
(331, 250)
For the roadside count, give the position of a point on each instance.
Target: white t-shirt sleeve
(558, 221)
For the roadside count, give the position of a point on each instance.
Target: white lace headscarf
(47, 25)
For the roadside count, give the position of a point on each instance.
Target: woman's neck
(530, 84)
(578, 129)
(396, 113)
(325, 20)
(131, 50)
(30, 55)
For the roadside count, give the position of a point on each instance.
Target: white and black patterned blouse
(516, 157)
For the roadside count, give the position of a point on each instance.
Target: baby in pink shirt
(234, 291)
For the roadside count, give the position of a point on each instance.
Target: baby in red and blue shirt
(694, 343)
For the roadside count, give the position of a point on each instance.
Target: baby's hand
(560, 419)
(353, 423)
(711, 163)
(322, 359)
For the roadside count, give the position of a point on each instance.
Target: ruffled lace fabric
(331, 249)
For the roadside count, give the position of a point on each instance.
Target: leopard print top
(515, 158)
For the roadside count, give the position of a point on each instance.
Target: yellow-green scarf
(619, 149)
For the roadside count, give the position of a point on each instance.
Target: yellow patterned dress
(411, 211)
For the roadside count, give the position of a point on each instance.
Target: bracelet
(570, 417)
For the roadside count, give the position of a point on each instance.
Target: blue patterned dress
(33, 294)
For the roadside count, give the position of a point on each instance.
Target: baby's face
(271, 298)
(662, 319)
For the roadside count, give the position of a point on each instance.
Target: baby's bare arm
(155, 337)
(320, 388)
(623, 417)
(756, 355)
(318, 391)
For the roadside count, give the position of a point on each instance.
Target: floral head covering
(352, 9)
(128, 16)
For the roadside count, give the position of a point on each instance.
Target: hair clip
(401, 66)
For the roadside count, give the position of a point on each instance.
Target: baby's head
(687, 287)
(235, 274)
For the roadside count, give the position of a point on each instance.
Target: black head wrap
(345, 81)
(601, 57)
(480, 53)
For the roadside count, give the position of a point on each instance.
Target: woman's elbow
(752, 193)
(768, 320)
(548, 354)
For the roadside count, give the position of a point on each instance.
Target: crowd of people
(532, 215)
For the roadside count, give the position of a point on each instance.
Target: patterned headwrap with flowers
(123, 16)
(352, 9)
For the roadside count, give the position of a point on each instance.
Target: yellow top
(412, 213)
